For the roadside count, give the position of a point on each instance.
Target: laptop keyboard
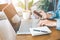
(26, 25)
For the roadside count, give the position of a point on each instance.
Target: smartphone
(37, 13)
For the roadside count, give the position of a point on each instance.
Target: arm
(58, 16)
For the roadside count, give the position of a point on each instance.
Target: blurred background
(30, 5)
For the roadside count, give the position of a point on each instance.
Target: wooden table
(55, 35)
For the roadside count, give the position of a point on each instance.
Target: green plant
(20, 4)
(30, 4)
(43, 5)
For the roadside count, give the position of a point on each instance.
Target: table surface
(55, 35)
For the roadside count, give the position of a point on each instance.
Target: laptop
(26, 25)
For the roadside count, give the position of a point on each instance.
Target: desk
(53, 36)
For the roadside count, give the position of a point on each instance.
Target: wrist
(48, 16)
(53, 22)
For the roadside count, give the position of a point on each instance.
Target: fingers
(36, 16)
(41, 23)
(47, 23)
(44, 14)
(41, 11)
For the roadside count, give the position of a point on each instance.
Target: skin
(46, 21)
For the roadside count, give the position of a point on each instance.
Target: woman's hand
(44, 14)
(47, 23)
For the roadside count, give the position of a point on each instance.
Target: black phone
(37, 13)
